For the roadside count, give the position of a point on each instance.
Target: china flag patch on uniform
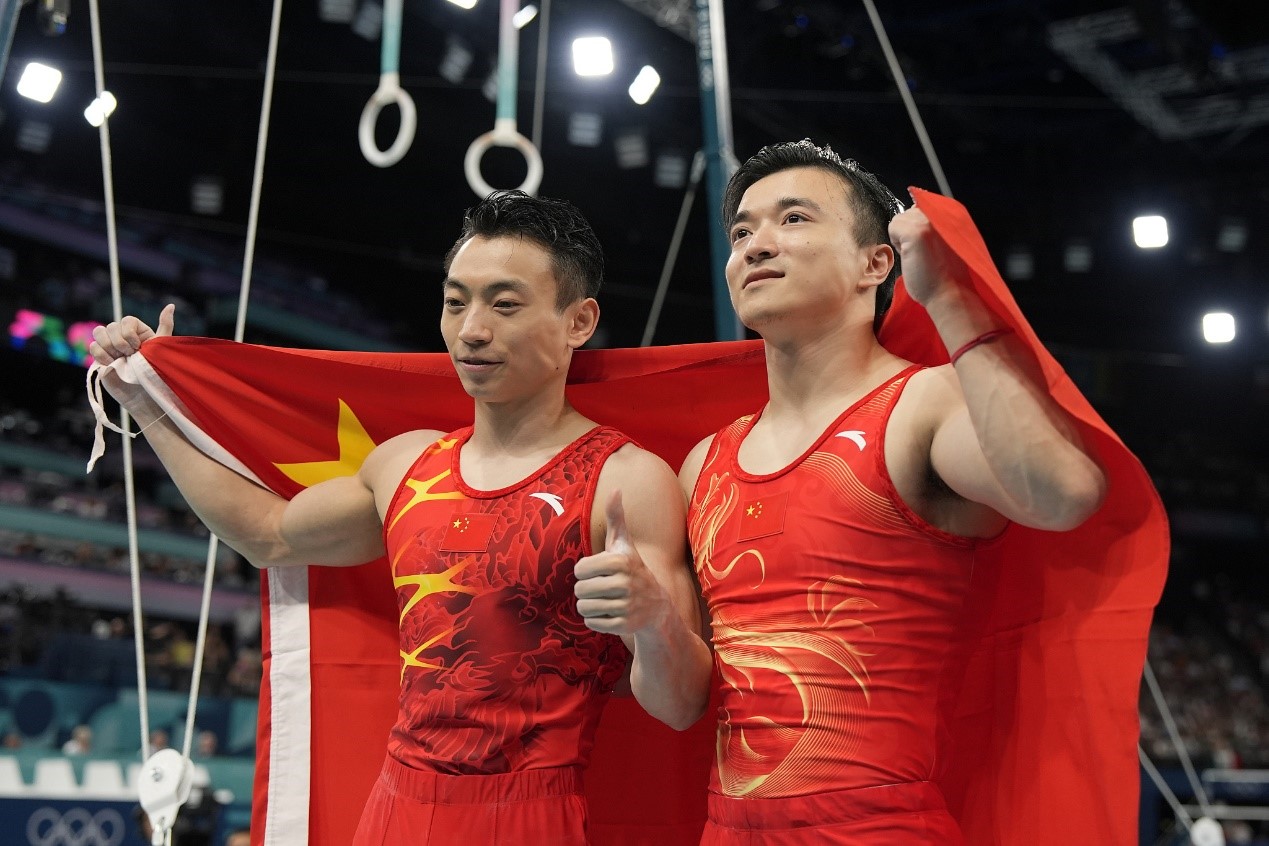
(762, 517)
(468, 532)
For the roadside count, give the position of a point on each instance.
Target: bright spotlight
(1150, 231)
(645, 84)
(522, 18)
(592, 56)
(100, 108)
(1218, 327)
(39, 82)
(464, 4)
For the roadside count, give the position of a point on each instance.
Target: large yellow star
(354, 445)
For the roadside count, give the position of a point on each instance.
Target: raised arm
(334, 523)
(998, 438)
(641, 588)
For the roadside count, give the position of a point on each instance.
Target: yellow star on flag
(354, 445)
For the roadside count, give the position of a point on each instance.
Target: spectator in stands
(241, 837)
(159, 740)
(81, 741)
(206, 744)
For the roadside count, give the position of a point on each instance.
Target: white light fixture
(34, 136)
(1150, 231)
(1218, 327)
(455, 62)
(207, 195)
(369, 21)
(336, 11)
(464, 4)
(39, 82)
(521, 18)
(1078, 257)
(645, 84)
(1232, 236)
(585, 129)
(1019, 265)
(670, 171)
(632, 150)
(100, 108)
(592, 56)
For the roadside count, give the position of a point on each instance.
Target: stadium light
(100, 108)
(39, 82)
(1150, 231)
(592, 56)
(1218, 327)
(522, 18)
(644, 85)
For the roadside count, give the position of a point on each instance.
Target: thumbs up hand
(616, 592)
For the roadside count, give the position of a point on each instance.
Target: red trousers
(911, 814)
(423, 808)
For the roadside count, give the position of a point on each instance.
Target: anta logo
(553, 500)
(856, 436)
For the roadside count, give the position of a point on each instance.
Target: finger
(606, 625)
(597, 566)
(167, 320)
(592, 608)
(603, 587)
(615, 516)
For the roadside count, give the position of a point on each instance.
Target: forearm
(239, 512)
(670, 674)
(1031, 446)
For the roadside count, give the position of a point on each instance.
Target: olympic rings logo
(76, 827)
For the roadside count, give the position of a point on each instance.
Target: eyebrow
(781, 204)
(515, 286)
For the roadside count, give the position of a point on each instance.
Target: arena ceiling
(1056, 121)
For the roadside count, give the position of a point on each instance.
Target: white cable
(244, 293)
(671, 257)
(116, 299)
(1157, 778)
(257, 179)
(1170, 724)
(539, 88)
(906, 95)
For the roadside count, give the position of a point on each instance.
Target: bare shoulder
(633, 466)
(930, 396)
(389, 461)
(691, 469)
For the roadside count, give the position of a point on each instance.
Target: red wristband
(984, 338)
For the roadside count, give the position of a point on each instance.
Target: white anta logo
(856, 436)
(553, 500)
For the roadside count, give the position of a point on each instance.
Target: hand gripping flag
(1038, 712)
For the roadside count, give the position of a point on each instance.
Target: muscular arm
(998, 439)
(334, 523)
(640, 587)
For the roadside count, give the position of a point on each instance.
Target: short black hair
(873, 204)
(556, 225)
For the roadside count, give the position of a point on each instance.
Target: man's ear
(880, 262)
(583, 319)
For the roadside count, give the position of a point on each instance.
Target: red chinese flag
(468, 532)
(761, 518)
(1040, 707)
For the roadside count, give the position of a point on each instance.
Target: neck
(523, 426)
(807, 372)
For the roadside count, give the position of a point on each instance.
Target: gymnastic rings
(388, 92)
(504, 133)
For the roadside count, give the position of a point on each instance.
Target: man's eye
(737, 234)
